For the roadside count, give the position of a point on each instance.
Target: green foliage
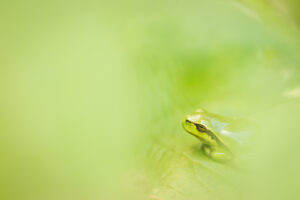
(93, 94)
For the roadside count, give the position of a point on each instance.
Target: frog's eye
(201, 128)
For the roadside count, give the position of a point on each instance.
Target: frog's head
(199, 125)
(210, 129)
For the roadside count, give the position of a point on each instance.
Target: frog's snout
(188, 125)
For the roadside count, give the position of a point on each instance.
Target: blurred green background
(93, 94)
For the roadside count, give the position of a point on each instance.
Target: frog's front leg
(217, 153)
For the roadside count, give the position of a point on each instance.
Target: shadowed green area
(93, 95)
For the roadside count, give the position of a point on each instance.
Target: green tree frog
(221, 136)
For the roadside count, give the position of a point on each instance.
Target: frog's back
(231, 130)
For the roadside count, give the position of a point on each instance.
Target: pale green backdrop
(93, 94)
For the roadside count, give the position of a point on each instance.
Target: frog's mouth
(194, 128)
(199, 127)
(191, 127)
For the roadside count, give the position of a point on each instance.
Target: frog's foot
(207, 149)
(216, 153)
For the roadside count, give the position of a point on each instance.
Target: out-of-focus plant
(93, 94)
